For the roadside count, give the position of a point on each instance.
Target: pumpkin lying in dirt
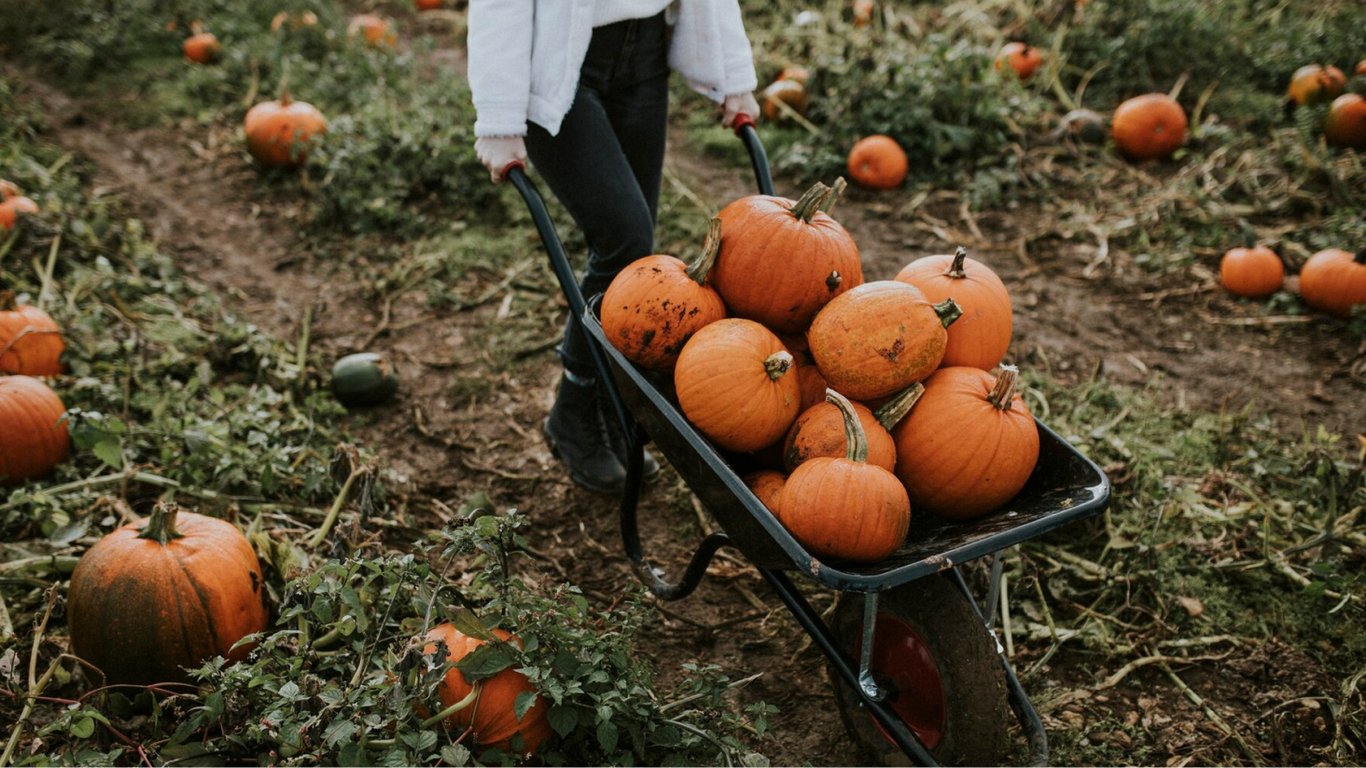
(35, 435)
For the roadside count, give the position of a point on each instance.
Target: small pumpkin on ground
(30, 340)
(364, 378)
(819, 431)
(293, 20)
(845, 507)
(878, 162)
(969, 445)
(767, 485)
(428, 5)
(1315, 84)
(1254, 273)
(863, 12)
(1334, 281)
(788, 91)
(795, 72)
(880, 338)
(735, 383)
(35, 436)
(201, 47)
(1345, 125)
(280, 131)
(374, 30)
(981, 336)
(12, 203)
(781, 261)
(656, 304)
(1021, 58)
(491, 711)
(1148, 127)
(165, 593)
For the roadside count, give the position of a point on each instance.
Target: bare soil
(1080, 310)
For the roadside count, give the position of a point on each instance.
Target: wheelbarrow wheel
(940, 669)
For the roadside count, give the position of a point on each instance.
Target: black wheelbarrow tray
(915, 678)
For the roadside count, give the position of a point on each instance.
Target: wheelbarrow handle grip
(744, 128)
(742, 119)
(510, 167)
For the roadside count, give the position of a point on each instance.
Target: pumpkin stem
(893, 411)
(8, 302)
(160, 525)
(833, 280)
(1003, 394)
(778, 363)
(833, 196)
(956, 270)
(810, 202)
(469, 699)
(855, 440)
(948, 311)
(711, 246)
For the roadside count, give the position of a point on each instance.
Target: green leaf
(338, 732)
(563, 718)
(469, 623)
(353, 756)
(486, 661)
(420, 741)
(109, 451)
(455, 754)
(524, 701)
(83, 727)
(607, 736)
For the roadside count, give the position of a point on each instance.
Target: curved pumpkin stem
(810, 203)
(469, 699)
(699, 269)
(1003, 394)
(893, 411)
(956, 270)
(778, 364)
(161, 524)
(855, 440)
(948, 311)
(833, 196)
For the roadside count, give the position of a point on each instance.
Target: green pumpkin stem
(469, 699)
(948, 311)
(778, 364)
(1003, 394)
(893, 411)
(711, 246)
(956, 270)
(833, 196)
(855, 440)
(810, 202)
(160, 525)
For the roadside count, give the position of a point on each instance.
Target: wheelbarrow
(917, 670)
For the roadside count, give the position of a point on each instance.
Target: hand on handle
(500, 153)
(739, 104)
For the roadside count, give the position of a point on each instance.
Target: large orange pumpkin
(1254, 272)
(492, 715)
(1148, 127)
(735, 383)
(781, 261)
(981, 336)
(878, 162)
(1021, 58)
(165, 593)
(819, 431)
(1314, 84)
(845, 507)
(969, 445)
(35, 437)
(279, 132)
(30, 341)
(656, 304)
(880, 338)
(1345, 125)
(1334, 281)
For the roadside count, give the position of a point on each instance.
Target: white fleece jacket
(525, 56)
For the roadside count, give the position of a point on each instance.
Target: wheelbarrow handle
(744, 128)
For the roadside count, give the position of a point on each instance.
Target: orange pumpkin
(12, 206)
(492, 715)
(819, 431)
(9, 189)
(1345, 125)
(880, 338)
(30, 341)
(1021, 58)
(373, 29)
(981, 336)
(845, 507)
(809, 380)
(1314, 84)
(201, 48)
(784, 91)
(969, 445)
(428, 5)
(165, 593)
(279, 132)
(735, 383)
(35, 434)
(863, 12)
(656, 304)
(878, 162)
(1254, 272)
(767, 486)
(1361, 67)
(795, 72)
(294, 20)
(781, 261)
(1334, 281)
(1148, 127)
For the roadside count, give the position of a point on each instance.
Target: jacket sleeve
(738, 56)
(499, 44)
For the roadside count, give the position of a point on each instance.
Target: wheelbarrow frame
(1065, 486)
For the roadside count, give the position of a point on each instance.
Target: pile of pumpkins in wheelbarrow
(863, 398)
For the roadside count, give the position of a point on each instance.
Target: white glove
(498, 152)
(737, 104)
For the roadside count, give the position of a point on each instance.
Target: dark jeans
(605, 164)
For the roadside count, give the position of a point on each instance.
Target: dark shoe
(617, 435)
(578, 437)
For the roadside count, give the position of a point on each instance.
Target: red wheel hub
(903, 665)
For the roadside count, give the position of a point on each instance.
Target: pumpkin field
(275, 358)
